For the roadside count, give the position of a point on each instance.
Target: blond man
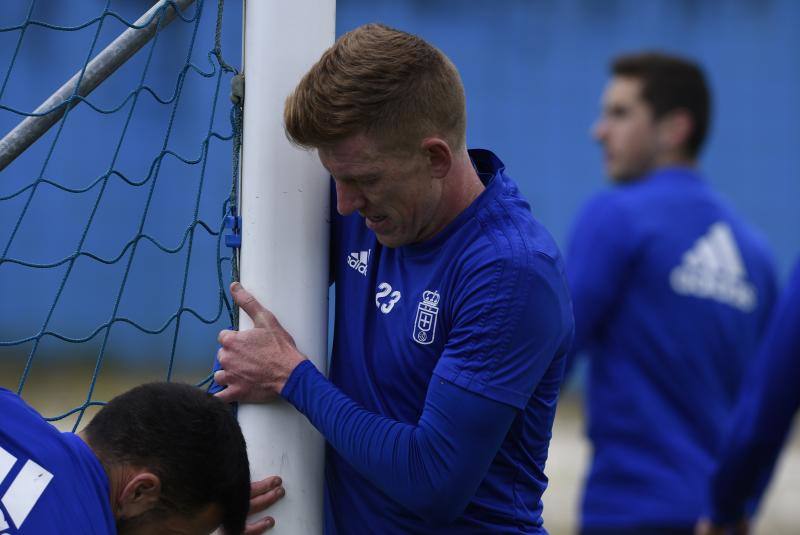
(452, 318)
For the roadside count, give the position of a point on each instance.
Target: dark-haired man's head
(175, 458)
(655, 113)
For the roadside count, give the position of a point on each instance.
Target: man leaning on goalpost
(453, 316)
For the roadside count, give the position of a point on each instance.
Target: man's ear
(140, 494)
(440, 157)
(675, 130)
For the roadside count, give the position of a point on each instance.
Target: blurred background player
(770, 398)
(672, 292)
(160, 458)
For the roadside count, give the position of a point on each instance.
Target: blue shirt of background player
(760, 424)
(50, 482)
(671, 292)
(482, 310)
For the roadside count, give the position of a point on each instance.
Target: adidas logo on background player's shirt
(23, 492)
(713, 269)
(359, 261)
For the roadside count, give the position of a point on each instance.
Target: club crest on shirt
(425, 320)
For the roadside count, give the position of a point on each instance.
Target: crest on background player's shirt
(425, 320)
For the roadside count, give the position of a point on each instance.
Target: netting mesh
(112, 223)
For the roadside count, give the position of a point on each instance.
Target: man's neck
(674, 159)
(461, 188)
(113, 480)
(658, 165)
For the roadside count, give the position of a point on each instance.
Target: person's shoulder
(611, 203)
(761, 247)
(753, 235)
(23, 425)
(514, 237)
(514, 249)
(638, 196)
(751, 240)
(73, 486)
(5, 393)
(610, 216)
(12, 404)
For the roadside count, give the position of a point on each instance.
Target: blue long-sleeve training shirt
(671, 293)
(447, 360)
(432, 467)
(50, 482)
(770, 398)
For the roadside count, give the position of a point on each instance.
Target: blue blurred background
(533, 72)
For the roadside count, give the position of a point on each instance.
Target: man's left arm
(496, 354)
(432, 467)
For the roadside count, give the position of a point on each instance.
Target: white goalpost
(284, 256)
(283, 204)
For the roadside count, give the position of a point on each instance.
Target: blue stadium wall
(533, 72)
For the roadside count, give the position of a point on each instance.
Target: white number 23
(385, 290)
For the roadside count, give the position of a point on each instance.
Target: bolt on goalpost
(86, 80)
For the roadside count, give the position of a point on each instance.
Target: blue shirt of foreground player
(448, 356)
(671, 294)
(769, 401)
(50, 482)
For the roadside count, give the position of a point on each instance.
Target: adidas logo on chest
(359, 261)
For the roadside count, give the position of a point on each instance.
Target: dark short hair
(187, 437)
(670, 83)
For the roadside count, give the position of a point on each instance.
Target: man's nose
(348, 198)
(599, 130)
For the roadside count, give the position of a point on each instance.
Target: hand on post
(257, 362)
(263, 494)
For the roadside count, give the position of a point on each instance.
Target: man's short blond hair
(382, 83)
